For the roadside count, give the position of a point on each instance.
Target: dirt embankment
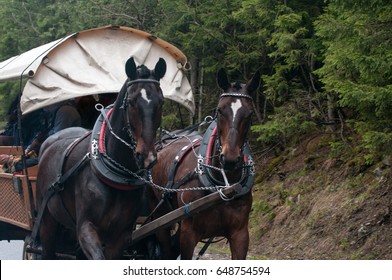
(314, 202)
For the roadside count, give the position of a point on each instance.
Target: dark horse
(199, 164)
(98, 175)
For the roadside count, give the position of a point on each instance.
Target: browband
(236, 94)
(142, 81)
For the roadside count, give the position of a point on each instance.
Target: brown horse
(93, 181)
(199, 165)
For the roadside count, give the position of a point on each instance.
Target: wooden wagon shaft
(60, 256)
(176, 215)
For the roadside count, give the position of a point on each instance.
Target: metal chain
(150, 181)
(130, 145)
(101, 108)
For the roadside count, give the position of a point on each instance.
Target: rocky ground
(311, 203)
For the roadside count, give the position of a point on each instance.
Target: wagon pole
(191, 208)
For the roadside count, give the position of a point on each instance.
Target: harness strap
(64, 177)
(40, 213)
(173, 170)
(183, 180)
(170, 184)
(204, 248)
(58, 185)
(55, 188)
(166, 195)
(153, 211)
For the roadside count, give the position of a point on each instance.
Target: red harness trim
(117, 186)
(102, 149)
(210, 146)
(101, 142)
(211, 143)
(194, 144)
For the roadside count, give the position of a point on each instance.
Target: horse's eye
(131, 101)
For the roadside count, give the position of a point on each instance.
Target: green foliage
(262, 208)
(307, 52)
(9, 92)
(375, 142)
(337, 149)
(358, 65)
(170, 122)
(284, 127)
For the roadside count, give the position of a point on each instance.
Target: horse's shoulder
(71, 132)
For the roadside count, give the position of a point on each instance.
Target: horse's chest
(118, 210)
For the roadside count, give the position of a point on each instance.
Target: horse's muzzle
(146, 162)
(229, 164)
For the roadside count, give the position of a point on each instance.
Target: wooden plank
(178, 214)
(26, 195)
(32, 171)
(11, 150)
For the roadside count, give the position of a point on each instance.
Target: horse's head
(234, 114)
(143, 102)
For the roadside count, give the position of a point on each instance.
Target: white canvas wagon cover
(93, 62)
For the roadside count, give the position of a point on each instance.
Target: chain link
(101, 108)
(150, 181)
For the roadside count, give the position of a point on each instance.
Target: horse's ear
(253, 84)
(160, 68)
(130, 68)
(222, 80)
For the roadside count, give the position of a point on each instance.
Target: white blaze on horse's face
(235, 106)
(143, 92)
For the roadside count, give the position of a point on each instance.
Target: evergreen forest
(326, 70)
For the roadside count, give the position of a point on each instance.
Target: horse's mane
(237, 85)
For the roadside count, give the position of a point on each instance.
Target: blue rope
(187, 211)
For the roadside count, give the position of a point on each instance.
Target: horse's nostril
(139, 157)
(228, 163)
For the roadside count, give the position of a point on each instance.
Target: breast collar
(105, 169)
(204, 158)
